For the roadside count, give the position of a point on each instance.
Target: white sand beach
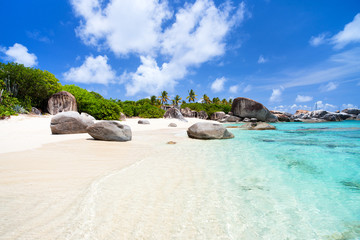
(74, 187)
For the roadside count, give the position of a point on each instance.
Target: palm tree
(216, 100)
(191, 96)
(206, 99)
(224, 101)
(176, 100)
(164, 97)
(230, 101)
(153, 100)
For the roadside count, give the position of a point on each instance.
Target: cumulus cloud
(218, 84)
(350, 34)
(276, 94)
(262, 59)
(195, 36)
(328, 87)
(320, 39)
(233, 89)
(19, 53)
(319, 105)
(300, 98)
(93, 70)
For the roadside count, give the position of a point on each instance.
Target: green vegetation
(32, 87)
(209, 108)
(22, 88)
(94, 104)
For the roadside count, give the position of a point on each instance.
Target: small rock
(172, 125)
(253, 120)
(143, 121)
(171, 142)
(35, 111)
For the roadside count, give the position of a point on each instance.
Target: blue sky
(287, 55)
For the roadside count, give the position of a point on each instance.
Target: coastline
(46, 180)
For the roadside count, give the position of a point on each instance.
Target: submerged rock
(69, 123)
(257, 126)
(110, 131)
(207, 130)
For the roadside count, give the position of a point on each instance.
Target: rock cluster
(208, 130)
(187, 112)
(61, 102)
(317, 115)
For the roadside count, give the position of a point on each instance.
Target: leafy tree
(176, 100)
(31, 86)
(192, 96)
(224, 102)
(153, 100)
(164, 97)
(7, 103)
(216, 100)
(230, 101)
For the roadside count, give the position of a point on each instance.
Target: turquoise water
(301, 181)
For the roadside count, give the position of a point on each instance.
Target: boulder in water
(248, 108)
(208, 130)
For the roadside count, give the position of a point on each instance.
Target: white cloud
(320, 39)
(93, 70)
(248, 88)
(262, 59)
(218, 84)
(234, 89)
(276, 94)
(124, 26)
(19, 53)
(329, 87)
(195, 36)
(319, 105)
(350, 34)
(349, 105)
(292, 108)
(300, 98)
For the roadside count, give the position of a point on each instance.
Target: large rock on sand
(69, 123)
(174, 113)
(248, 108)
(354, 111)
(61, 102)
(208, 130)
(257, 126)
(110, 131)
(216, 116)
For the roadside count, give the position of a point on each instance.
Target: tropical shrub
(94, 104)
(7, 103)
(32, 87)
(141, 108)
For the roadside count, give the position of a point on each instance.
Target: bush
(208, 108)
(7, 103)
(94, 104)
(32, 87)
(150, 111)
(141, 108)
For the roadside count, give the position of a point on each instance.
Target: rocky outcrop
(187, 112)
(282, 116)
(202, 115)
(174, 113)
(332, 117)
(143, 121)
(301, 112)
(358, 117)
(216, 116)
(248, 108)
(110, 131)
(208, 130)
(353, 111)
(61, 102)
(257, 126)
(69, 123)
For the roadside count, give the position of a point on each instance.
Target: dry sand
(73, 187)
